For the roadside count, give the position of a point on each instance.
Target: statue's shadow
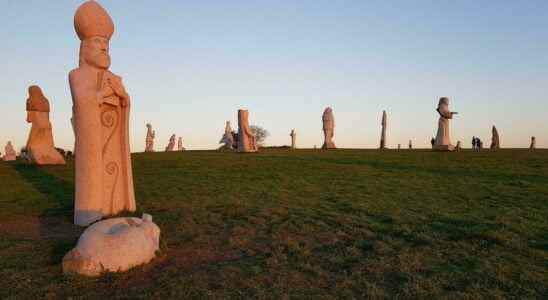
(55, 220)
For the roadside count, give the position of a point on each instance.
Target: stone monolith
(443, 137)
(149, 141)
(495, 139)
(533, 145)
(247, 140)
(293, 136)
(180, 144)
(328, 120)
(40, 148)
(410, 144)
(384, 123)
(228, 138)
(458, 147)
(171, 145)
(101, 107)
(9, 153)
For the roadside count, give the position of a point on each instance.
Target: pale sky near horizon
(190, 65)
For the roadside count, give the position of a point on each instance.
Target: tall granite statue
(533, 145)
(293, 136)
(328, 129)
(443, 138)
(383, 130)
(228, 138)
(247, 140)
(171, 144)
(149, 141)
(495, 139)
(40, 148)
(10, 154)
(180, 144)
(101, 105)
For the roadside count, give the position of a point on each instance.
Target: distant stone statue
(180, 144)
(9, 153)
(293, 136)
(533, 143)
(328, 129)
(443, 137)
(383, 130)
(113, 245)
(495, 139)
(171, 145)
(458, 147)
(103, 172)
(399, 146)
(228, 138)
(40, 148)
(247, 140)
(410, 144)
(149, 141)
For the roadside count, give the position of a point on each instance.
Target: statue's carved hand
(118, 88)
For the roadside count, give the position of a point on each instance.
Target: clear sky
(189, 65)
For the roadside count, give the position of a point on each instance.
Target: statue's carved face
(95, 52)
(30, 116)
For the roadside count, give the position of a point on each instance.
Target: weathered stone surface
(328, 120)
(495, 139)
(293, 136)
(247, 141)
(40, 149)
(171, 145)
(114, 245)
(149, 141)
(9, 153)
(443, 137)
(101, 105)
(384, 123)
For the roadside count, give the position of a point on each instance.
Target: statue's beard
(100, 60)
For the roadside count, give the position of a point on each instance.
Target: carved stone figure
(293, 136)
(495, 139)
(458, 147)
(410, 144)
(247, 140)
(114, 245)
(383, 130)
(103, 172)
(40, 148)
(228, 138)
(180, 144)
(10, 154)
(171, 145)
(328, 129)
(533, 143)
(443, 137)
(399, 146)
(149, 142)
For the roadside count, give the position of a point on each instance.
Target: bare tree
(260, 133)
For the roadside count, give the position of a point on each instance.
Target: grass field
(299, 224)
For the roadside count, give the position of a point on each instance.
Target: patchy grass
(299, 224)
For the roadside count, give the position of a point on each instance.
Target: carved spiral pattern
(112, 169)
(109, 119)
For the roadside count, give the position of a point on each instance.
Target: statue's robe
(103, 172)
(443, 137)
(40, 146)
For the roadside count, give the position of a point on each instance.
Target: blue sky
(189, 65)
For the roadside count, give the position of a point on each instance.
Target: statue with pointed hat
(40, 148)
(328, 120)
(149, 141)
(293, 136)
(443, 137)
(103, 172)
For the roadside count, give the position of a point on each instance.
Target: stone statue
(458, 147)
(171, 145)
(410, 144)
(228, 138)
(533, 143)
(399, 146)
(149, 142)
(495, 140)
(180, 144)
(10, 154)
(328, 129)
(247, 140)
(443, 138)
(40, 148)
(114, 245)
(103, 171)
(383, 131)
(293, 136)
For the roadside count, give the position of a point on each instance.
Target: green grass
(299, 224)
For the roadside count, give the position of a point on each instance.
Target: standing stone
(383, 130)
(533, 143)
(410, 144)
(293, 136)
(247, 140)
(149, 141)
(10, 154)
(180, 144)
(443, 138)
(101, 105)
(458, 147)
(40, 148)
(328, 129)
(171, 144)
(399, 146)
(228, 138)
(495, 139)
